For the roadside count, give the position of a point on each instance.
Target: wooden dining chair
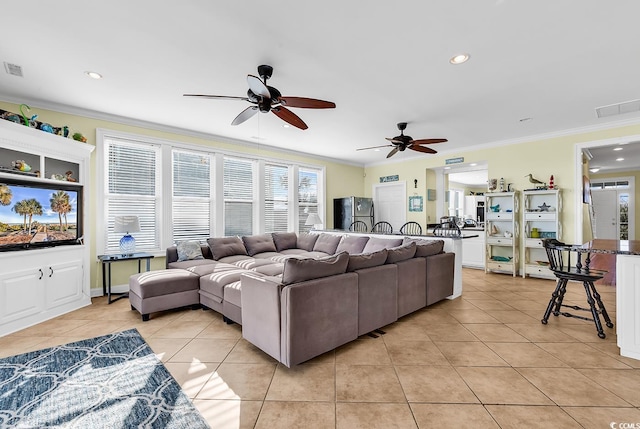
(382, 227)
(358, 226)
(566, 262)
(411, 228)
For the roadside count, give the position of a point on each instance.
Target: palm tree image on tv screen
(34, 214)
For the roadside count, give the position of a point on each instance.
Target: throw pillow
(300, 270)
(284, 240)
(426, 248)
(401, 253)
(226, 246)
(189, 250)
(306, 241)
(352, 244)
(259, 244)
(367, 260)
(327, 243)
(377, 243)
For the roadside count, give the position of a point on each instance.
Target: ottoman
(163, 290)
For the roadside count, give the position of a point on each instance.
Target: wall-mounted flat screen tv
(35, 214)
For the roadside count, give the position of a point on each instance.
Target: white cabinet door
(21, 294)
(63, 282)
(473, 252)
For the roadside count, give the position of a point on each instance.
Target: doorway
(389, 201)
(613, 205)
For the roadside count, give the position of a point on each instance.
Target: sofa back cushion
(352, 244)
(377, 243)
(306, 241)
(327, 243)
(189, 251)
(401, 253)
(259, 243)
(426, 248)
(367, 260)
(284, 240)
(226, 246)
(300, 270)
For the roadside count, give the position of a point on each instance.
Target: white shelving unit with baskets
(540, 219)
(502, 232)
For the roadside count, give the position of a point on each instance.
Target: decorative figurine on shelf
(495, 208)
(544, 207)
(492, 184)
(502, 184)
(551, 182)
(494, 229)
(20, 165)
(69, 176)
(79, 137)
(539, 184)
(47, 128)
(28, 122)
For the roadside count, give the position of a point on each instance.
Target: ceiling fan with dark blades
(402, 142)
(264, 98)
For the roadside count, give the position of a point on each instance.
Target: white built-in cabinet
(39, 284)
(540, 219)
(502, 232)
(473, 250)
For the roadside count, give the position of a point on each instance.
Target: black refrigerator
(350, 209)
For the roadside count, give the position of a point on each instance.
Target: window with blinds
(276, 198)
(238, 196)
(132, 187)
(191, 205)
(307, 197)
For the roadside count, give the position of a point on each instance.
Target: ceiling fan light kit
(402, 142)
(265, 99)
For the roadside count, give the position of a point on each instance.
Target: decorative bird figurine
(536, 181)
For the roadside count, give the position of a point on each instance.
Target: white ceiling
(380, 62)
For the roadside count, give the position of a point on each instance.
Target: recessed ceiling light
(617, 148)
(376, 150)
(93, 75)
(619, 159)
(459, 59)
(286, 126)
(594, 169)
(473, 164)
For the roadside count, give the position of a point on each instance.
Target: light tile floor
(481, 361)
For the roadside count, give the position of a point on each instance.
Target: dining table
(627, 267)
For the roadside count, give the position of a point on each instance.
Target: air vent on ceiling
(13, 69)
(618, 109)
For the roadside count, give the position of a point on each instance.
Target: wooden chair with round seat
(358, 226)
(566, 263)
(382, 227)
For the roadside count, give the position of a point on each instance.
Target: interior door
(605, 207)
(390, 204)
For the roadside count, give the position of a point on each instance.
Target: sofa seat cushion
(426, 248)
(377, 243)
(367, 260)
(266, 255)
(285, 240)
(316, 255)
(295, 251)
(234, 259)
(327, 243)
(352, 244)
(258, 244)
(274, 269)
(251, 263)
(300, 270)
(232, 293)
(215, 282)
(226, 246)
(401, 253)
(306, 241)
(188, 264)
(162, 282)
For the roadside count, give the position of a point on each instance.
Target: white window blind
(307, 197)
(276, 198)
(191, 202)
(238, 196)
(132, 187)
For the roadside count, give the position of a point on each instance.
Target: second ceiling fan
(267, 99)
(403, 142)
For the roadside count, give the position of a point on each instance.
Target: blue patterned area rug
(113, 381)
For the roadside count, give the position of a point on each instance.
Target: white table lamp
(127, 224)
(313, 220)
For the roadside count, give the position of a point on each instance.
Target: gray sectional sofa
(300, 295)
